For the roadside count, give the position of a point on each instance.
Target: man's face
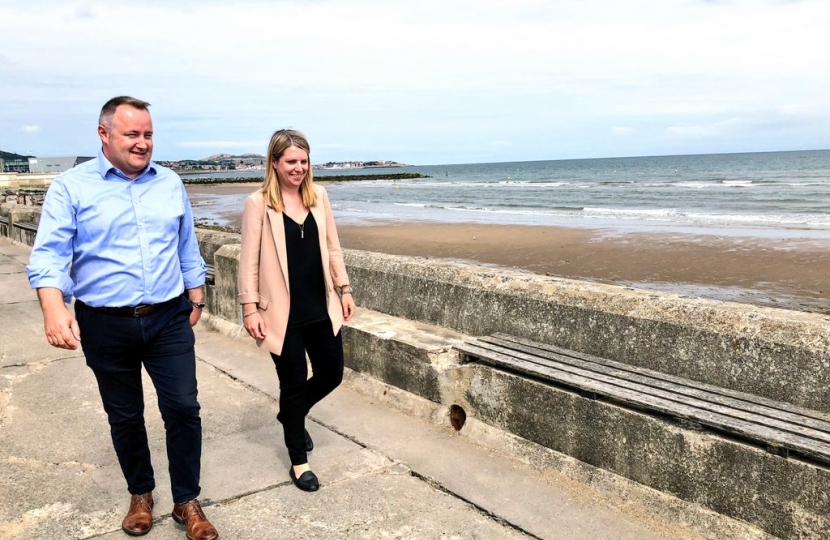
(128, 142)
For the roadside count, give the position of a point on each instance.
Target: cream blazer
(263, 265)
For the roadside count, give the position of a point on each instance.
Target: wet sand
(785, 273)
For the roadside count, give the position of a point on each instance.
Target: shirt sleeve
(51, 254)
(193, 266)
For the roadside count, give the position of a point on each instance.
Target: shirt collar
(105, 167)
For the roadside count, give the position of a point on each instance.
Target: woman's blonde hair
(280, 141)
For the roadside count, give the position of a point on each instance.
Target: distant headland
(254, 162)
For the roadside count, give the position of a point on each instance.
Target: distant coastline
(336, 165)
(256, 162)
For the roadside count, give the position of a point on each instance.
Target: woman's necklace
(302, 230)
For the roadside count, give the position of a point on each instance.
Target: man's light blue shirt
(113, 241)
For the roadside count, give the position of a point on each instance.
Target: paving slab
(14, 252)
(14, 285)
(23, 340)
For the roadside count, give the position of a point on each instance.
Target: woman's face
(292, 167)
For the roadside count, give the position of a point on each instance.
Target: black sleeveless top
(306, 283)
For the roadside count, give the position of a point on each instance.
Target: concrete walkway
(385, 474)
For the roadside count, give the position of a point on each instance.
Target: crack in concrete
(239, 381)
(480, 509)
(18, 302)
(39, 362)
(36, 463)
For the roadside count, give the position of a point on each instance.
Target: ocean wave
(502, 184)
(709, 184)
(672, 215)
(415, 205)
(635, 213)
(695, 184)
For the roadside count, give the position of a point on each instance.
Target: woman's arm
(337, 266)
(248, 276)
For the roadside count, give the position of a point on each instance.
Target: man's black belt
(141, 310)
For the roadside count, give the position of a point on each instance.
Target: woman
(294, 289)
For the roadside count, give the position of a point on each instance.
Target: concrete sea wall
(779, 354)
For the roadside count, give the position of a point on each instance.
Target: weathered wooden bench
(26, 226)
(778, 427)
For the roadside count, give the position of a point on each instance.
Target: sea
(766, 194)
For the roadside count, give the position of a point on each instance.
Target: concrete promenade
(390, 464)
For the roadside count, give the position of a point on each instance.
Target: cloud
(30, 129)
(558, 79)
(84, 13)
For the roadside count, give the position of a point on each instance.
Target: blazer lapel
(319, 215)
(278, 232)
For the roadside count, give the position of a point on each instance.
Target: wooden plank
(760, 413)
(817, 450)
(780, 408)
(26, 226)
(669, 396)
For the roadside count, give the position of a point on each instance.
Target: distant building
(54, 164)
(18, 165)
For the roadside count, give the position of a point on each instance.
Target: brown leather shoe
(190, 515)
(139, 519)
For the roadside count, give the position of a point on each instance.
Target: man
(117, 233)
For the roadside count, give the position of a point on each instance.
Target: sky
(426, 82)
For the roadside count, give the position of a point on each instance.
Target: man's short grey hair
(108, 110)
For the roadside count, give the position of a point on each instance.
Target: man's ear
(102, 133)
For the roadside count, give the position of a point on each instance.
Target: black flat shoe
(307, 481)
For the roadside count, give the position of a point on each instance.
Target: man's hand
(195, 315)
(196, 295)
(61, 327)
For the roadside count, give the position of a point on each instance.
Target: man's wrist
(198, 305)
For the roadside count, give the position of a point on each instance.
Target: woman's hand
(255, 325)
(349, 306)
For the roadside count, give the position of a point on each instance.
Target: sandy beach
(785, 273)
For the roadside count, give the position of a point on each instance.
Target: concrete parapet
(15, 180)
(779, 354)
(412, 356)
(223, 296)
(210, 241)
(19, 222)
